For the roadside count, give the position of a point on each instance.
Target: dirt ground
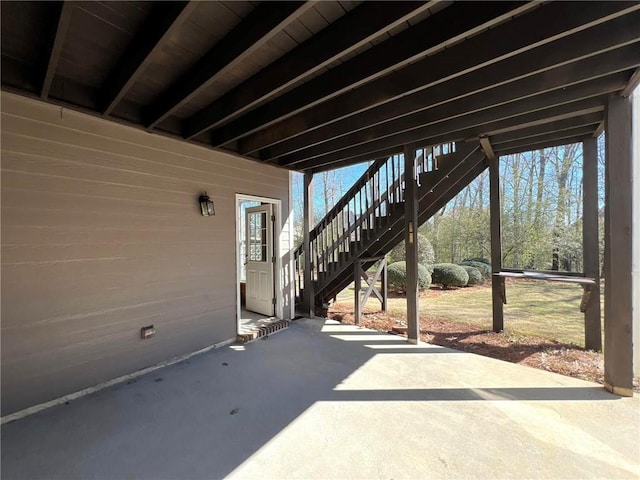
(565, 359)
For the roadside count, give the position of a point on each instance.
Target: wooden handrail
(367, 200)
(355, 188)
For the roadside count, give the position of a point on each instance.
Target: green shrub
(475, 277)
(450, 275)
(478, 259)
(397, 276)
(426, 255)
(485, 269)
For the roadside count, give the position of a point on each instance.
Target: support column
(590, 244)
(497, 283)
(411, 244)
(618, 304)
(307, 226)
(384, 286)
(635, 274)
(357, 288)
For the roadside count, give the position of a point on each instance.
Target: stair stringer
(436, 189)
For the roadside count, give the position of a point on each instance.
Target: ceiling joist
(532, 147)
(57, 38)
(164, 20)
(529, 31)
(459, 98)
(578, 132)
(314, 86)
(347, 34)
(508, 112)
(260, 26)
(442, 29)
(467, 127)
(590, 120)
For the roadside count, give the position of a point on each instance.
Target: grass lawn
(534, 308)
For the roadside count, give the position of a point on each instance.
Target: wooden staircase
(368, 221)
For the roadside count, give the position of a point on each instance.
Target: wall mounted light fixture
(206, 206)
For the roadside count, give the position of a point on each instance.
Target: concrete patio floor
(326, 400)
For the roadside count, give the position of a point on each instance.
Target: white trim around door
(282, 240)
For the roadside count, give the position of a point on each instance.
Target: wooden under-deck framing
(411, 244)
(590, 243)
(498, 293)
(618, 219)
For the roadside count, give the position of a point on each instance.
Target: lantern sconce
(206, 206)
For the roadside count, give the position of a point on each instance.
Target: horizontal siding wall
(101, 235)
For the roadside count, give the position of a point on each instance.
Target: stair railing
(357, 215)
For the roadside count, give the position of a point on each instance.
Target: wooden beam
(547, 128)
(591, 243)
(54, 50)
(543, 108)
(618, 296)
(307, 226)
(581, 109)
(411, 203)
(345, 35)
(555, 40)
(574, 131)
(633, 83)
(163, 21)
(383, 154)
(487, 148)
(532, 147)
(260, 26)
(552, 137)
(446, 27)
(599, 130)
(504, 82)
(495, 212)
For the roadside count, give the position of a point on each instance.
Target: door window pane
(258, 237)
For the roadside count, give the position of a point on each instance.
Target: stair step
(251, 333)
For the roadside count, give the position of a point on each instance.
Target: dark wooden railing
(358, 215)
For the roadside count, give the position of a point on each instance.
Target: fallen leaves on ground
(565, 359)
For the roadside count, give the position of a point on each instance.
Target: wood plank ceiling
(317, 85)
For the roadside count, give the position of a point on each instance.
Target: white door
(260, 259)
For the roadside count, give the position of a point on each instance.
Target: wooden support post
(498, 293)
(384, 286)
(381, 274)
(635, 274)
(411, 244)
(590, 244)
(309, 294)
(618, 304)
(357, 288)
